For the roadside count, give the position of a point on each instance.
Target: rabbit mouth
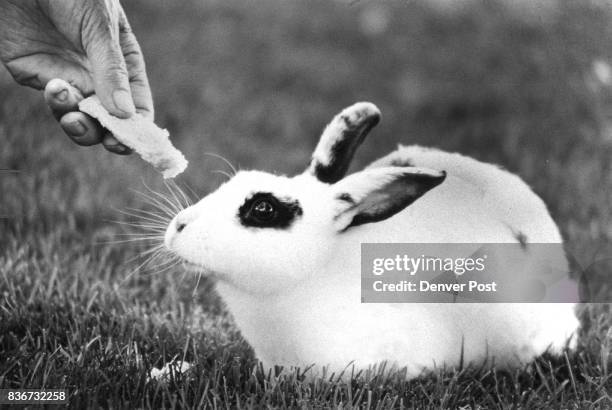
(198, 269)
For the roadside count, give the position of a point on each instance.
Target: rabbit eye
(264, 210)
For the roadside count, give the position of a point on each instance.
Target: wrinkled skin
(87, 43)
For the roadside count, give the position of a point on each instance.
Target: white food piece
(177, 367)
(140, 134)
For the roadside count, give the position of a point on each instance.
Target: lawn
(256, 83)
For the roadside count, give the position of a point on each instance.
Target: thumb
(111, 82)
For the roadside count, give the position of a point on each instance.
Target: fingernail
(62, 95)
(76, 129)
(123, 102)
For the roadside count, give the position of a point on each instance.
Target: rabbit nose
(183, 219)
(177, 226)
(180, 224)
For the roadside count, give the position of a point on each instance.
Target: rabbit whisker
(145, 215)
(222, 158)
(217, 171)
(176, 207)
(159, 225)
(178, 193)
(167, 208)
(156, 248)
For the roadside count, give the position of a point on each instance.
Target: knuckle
(132, 53)
(134, 61)
(138, 77)
(131, 50)
(125, 28)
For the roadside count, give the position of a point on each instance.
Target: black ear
(340, 139)
(379, 193)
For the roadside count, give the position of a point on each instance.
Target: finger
(101, 42)
(62, 97)
(38, 69)
(114, 146)
(85, 131)
(81, 128)
(135, 64)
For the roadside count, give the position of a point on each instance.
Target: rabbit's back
(497, 193)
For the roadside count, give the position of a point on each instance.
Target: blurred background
(524, 84)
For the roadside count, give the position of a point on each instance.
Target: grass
(256, 84)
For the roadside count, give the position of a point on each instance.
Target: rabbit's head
(264, 232)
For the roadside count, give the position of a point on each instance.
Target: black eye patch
(264, 210)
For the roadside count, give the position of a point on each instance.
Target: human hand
(89, 44)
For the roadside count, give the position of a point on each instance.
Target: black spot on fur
(401, 162)
(342, 151)
(264, 210)
(521, 238)
(346, 198)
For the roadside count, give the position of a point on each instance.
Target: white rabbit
(286, 255)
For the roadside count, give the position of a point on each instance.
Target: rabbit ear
(340, 139)
(377, 194)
